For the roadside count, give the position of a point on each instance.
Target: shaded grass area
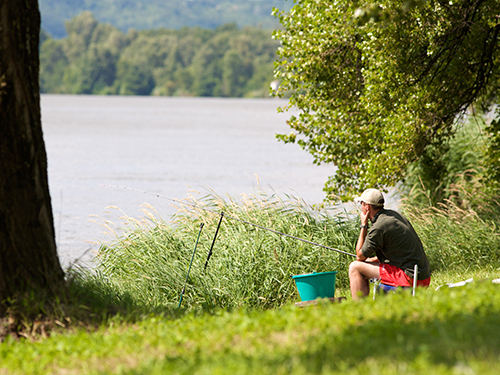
(85, 302)
(450, 331)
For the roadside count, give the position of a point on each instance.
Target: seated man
(395, 244)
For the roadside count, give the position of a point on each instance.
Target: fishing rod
(190, 264)
(232, 218)
(213, 242)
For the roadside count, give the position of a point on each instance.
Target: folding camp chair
(379, 286)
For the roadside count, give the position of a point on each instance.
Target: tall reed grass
(454, 203)
(458, 235)
(250, 266)
(148, 259)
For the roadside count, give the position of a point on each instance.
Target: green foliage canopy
(377, 82)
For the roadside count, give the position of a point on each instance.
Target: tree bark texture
(28, 255)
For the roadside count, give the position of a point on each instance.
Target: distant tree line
(97, 58)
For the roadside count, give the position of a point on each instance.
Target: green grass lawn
(239, 316)
(449, 331)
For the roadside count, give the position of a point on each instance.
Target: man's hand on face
(364, 213)
(364, 218)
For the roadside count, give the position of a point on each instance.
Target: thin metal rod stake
(190, 264)
(415, 278)
(213, 242)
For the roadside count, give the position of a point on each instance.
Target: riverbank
(239, 314)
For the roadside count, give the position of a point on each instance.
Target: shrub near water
(250, 266)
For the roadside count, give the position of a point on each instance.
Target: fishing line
(78, 259)
(233, 218)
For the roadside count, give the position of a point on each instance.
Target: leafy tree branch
(378, 82)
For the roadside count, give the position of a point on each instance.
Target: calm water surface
(167, 146)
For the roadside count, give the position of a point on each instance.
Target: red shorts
(394, 276)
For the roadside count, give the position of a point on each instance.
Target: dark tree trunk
(28, 256)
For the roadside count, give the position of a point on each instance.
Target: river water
(96, 145)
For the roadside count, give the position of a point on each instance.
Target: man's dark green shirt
(392, 238)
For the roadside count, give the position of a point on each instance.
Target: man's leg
(360, 274)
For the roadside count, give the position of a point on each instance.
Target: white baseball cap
(371, 196)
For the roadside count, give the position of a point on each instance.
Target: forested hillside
(97, 58)
(153, 14)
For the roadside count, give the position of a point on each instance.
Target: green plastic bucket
(316, 285)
